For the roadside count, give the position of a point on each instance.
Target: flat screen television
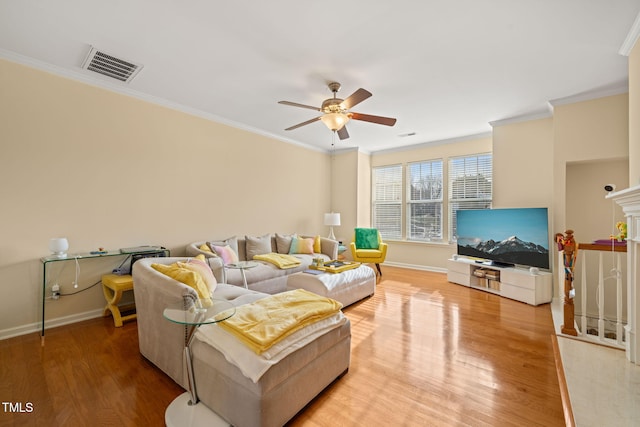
(507, 237)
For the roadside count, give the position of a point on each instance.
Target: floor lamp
(332, 219)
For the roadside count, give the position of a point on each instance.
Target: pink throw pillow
(226, 253)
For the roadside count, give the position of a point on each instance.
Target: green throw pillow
(367, 238)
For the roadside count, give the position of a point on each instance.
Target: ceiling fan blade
(387, 121)
(295, 104)
(356, 98)
(303, 123)
(342, 133)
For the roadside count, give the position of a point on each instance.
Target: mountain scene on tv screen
(511, 250)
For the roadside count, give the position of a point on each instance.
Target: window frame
(400, 219)
(437, 202)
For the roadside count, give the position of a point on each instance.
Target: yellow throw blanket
(265, 322)
(282, 261)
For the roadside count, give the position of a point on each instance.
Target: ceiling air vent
(110, 66)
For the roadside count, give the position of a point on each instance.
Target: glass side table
(184, 410)
(242, 266)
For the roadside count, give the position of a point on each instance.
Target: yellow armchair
(367, 247)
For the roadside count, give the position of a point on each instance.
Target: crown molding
(612, 90)
(434, 143)
(523, 118)
(632, 38)
(346, 150)
(82, 77)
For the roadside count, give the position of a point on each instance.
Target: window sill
(440, 243)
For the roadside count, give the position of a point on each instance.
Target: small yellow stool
(113, 286)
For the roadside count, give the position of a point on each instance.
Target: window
(424, 201)
(409, 202)
(387, 201)
(470, 186)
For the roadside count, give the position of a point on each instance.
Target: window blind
(387, 201)
(470, 186)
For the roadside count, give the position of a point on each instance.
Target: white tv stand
(511, 282)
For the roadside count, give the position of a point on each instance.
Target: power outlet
(55, 291)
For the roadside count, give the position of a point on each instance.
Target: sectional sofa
(272, 399)
(266, 277)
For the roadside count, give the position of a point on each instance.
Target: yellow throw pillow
(205, 248)
(200, 266)
(317, 245)
(189, 278)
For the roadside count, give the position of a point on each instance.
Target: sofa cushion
(231, 242)
(205, 248)
(367, 238)
(263, 271)
(188, 277)
(200, 266)
(227, 253)
(300, 245)
(317, 245)
(283, 242)
(258, 245)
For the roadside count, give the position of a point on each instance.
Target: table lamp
(59, 246)
(332, 219)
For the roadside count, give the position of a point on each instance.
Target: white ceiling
(444, 69)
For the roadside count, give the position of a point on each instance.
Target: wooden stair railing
(567, 244)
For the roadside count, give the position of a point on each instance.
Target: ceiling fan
(336, 114)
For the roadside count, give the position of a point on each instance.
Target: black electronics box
(155, 252)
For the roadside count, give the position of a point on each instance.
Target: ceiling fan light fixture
(335, 121)
(335, 111)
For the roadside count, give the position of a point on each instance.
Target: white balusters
(607, 286)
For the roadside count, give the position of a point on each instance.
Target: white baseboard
(49, 324)
(415, 267)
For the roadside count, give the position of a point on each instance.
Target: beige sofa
(276, 397)
(265, 277)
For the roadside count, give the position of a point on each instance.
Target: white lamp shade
(59, 245)
(335, 121)
(332, 219)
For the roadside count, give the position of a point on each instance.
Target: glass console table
(46, 261)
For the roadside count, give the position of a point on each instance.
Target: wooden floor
(424, 352)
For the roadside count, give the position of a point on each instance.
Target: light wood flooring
(424, 352)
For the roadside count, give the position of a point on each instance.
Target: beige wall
(108, 170)
(523, 170)
(364, 190)
(588, 213)
(351, 193)
(595, 130)
(344, 191)
(634, 116)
